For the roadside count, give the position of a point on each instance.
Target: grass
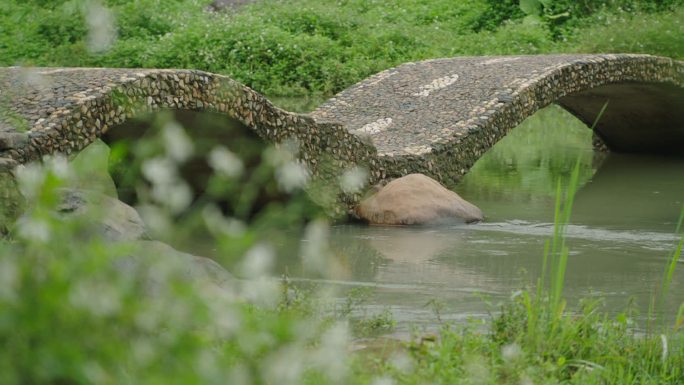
(305, 47)
(535, 339)
(70, 315)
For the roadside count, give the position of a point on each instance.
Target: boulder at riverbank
(107, 217)
(416, 199)
(161, 260)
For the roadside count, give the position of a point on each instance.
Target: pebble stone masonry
(435, 117)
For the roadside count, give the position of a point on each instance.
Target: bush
(301, 47)
(76, 308)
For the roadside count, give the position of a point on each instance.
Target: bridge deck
(411, 109)
(31, 96)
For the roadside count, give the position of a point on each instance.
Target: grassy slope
(300, 47)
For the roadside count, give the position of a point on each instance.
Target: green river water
(620, 237)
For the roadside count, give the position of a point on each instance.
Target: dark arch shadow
(206, 131)
(639, 117)
(629, 189)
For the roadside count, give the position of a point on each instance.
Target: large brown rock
(413, 200)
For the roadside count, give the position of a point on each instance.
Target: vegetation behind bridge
(304, 47)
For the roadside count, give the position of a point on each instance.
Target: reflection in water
(633, 192)
(407, 245)
(621, 234)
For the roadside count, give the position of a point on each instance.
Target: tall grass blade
(600, 114)
(658, 300)
(555, 241)
(556, 255)
(680, 318)
(669, 271)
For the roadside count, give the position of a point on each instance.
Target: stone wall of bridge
(435, 117)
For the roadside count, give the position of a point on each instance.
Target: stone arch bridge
(435, 117)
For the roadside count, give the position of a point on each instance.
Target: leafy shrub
(311, 47)
(625, 32)
(77, 309)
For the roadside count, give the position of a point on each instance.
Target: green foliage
(550, 138)
(561, 16)
(630, 32)
(76, 308)
(534, 339)
(300, 47)
(499, 11)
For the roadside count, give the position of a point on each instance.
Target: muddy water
(621, 234)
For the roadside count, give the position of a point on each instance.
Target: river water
(621, 235)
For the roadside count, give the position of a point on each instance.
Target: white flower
(159, 171)
(315, 255)
(176, 196)
(258, 262)
(32, 177)
(59, 165)
(100, 298)
(262, 291)
(330, 356)
(285, 366)
(511, 352)
(167, 188)
(224, 162)
(176, 142)
(292, 176)
(220, 225)
(101, 27)
(353, 180)
(33, 229)
(281, 153)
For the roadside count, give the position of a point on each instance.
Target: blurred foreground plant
(77, 307)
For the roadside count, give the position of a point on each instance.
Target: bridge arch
(435, 117)
(439, 116)
(61, 110)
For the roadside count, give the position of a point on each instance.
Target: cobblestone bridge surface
(436, 117)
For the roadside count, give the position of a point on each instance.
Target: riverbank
(72, 311)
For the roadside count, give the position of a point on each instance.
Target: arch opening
(242, 185)
(526, 163)
(639, 117)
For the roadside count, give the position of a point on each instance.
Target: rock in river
(413, 200)
(106, 216)
(161, 260)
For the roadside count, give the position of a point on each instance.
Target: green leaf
(532, 20)
(531, 7)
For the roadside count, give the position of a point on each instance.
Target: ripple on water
(656, 241)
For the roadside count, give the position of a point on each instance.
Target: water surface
(620, 237)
